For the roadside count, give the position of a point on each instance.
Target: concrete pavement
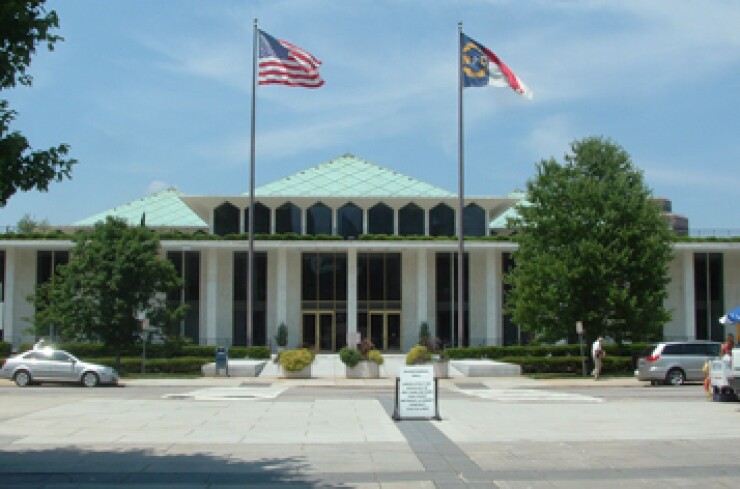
(505, 432)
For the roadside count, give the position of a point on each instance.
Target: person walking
(597, 353)
(39, 344)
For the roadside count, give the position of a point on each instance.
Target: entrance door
(319, 330)
(384, 330)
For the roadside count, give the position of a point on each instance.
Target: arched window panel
(261, 219)
(474, 221)
(349, 221)
(442, 221)
(380, 220)
(226, 219)
(318, 219)
(288, 219)
(411, 220)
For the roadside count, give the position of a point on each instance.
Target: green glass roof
(350, 176)
(164, 208)
(512, 212)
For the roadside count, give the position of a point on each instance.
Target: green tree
(593, 247)
(29, 224)
(114, 272)
(23, 25)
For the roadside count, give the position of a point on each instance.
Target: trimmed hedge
(177, 365)
(168, 350)
(562, 359)
(499, 352)
(5, 349)
(569, 365)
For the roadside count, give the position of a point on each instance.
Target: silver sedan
(50, 365)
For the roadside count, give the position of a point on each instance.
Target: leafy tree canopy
(114, 273)
(23, 25)
(593, 247)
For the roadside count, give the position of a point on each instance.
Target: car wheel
(90, 379)
(22, 378)
(675, 376)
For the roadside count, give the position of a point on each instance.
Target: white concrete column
(422, 282)
(211, 331)
(8, 311)
(688, 294)
(494, 323)
(351, 291)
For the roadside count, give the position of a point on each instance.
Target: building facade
(319, 270)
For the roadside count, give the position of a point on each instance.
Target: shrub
(365, 346)
(281, 337)
(418, 355)
(424, 333)
(350, 357)
(375, 356)
(296, 360)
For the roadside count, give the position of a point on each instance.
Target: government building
(349, 248)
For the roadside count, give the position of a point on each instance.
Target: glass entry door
(384, 330)
(319, 331)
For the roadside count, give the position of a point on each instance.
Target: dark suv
(675, 362)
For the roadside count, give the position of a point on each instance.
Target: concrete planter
(301, 374)
(363, 370)
(441, 369)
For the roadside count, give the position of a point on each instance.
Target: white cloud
(157, 186)
(551, 137)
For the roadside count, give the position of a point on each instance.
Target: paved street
(266, 432)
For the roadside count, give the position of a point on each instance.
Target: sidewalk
(228, 432)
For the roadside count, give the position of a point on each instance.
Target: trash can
(222, 359)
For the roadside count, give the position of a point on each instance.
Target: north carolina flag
(283, 63)
(480, 68)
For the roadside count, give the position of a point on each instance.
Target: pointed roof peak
(350, 176)
(162, 208)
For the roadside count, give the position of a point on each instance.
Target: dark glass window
(324, 280)
(349, 221)
(379, 280)
(47, 264)
(411, 220)
(226, 219)
(187, 265)
(446, 293)
(380, 220)
(709, 296)
(261, 219)
(288, 219)
(474, 221)
(677, 349)
(259, 299)
(513, 334)
(442, 221)
(318, 219)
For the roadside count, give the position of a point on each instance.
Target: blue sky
(152, 94)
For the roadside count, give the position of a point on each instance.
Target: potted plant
(296, 363)
(432, 352)
(363, 362)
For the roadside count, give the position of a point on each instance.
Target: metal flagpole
(250, 259)
(460, 195)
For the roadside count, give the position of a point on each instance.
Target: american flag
(283, 63)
